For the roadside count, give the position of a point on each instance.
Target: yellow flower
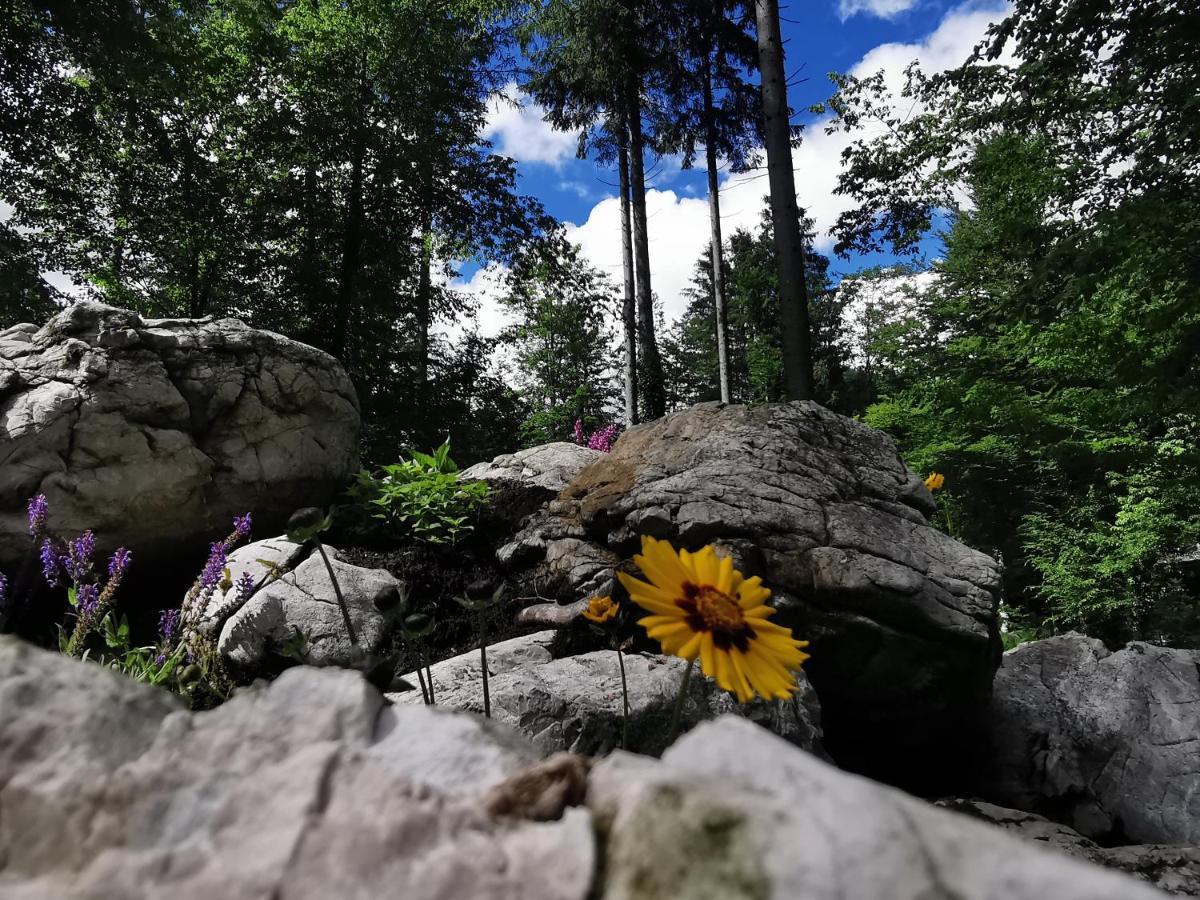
(935, 481)
(601, 610)
(702, 607)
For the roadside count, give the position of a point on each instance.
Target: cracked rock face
(1175, 870)
(309, 788)
(901, 617)
(547, 466)
(1106, 742)
(155, 433)
(575, 703)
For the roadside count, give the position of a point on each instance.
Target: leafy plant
(423, 497)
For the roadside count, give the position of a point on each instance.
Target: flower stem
(428, 676)
(337, 589)
(624, 702)
(678, 711)
(487, 697)
(421, 678)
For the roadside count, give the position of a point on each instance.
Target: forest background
(1029, 327)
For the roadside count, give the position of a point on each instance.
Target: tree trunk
(351, 246)
(785, 216)
(714, 213)
(424, 306)
(628, 307)
(652, 374)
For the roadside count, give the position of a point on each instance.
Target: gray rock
(902, 618)
(732, 812)
(1107, 742)
(575, 703)
(308, 788)
(301, 609)
(1175, 870)
(155, 433)
(547, 466)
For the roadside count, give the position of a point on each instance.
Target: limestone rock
(902, 618)
(732, 813)
(300, 611)
(1107, 742)
(575, 703)
(308, 788)
(547, 466)
(156, 432)
(1175, 870)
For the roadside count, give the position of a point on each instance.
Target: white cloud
(484, 285)
(884, 9)
(519, 129)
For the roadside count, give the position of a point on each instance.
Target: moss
(685, 845)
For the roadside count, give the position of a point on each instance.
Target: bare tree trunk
(785, 216)
(351, 246)
(424, 305)
(714, 213)
(628, 307)
(652, 373)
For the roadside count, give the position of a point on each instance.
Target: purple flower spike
(78, 561)
(3, 589)
(49, 563)
(119, 562)
(578, 435)
(213, 568)
(168, 624)
(86, 599)
(604, 439)
(241, 524)
(160, 659)
(38, 510)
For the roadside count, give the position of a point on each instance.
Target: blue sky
(858, 36)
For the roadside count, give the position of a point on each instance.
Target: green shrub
(422, 497)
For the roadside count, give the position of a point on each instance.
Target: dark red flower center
(712, 610)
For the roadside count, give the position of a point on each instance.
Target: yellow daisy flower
(601, 610)
(701, 606)
(935, 481)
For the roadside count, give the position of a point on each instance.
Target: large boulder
(733, 813)
(575, 703)
(901, 617)
(156, 432)
(308, 788)
(1175, 870)
(1107, 742)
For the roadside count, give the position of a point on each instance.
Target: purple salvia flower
(241, 525)
(49, 563)
(119, 562)
(604, 439)
(245, 587)
(38, 509)
(213, 568)
(168, 624)
(78, 561)
(160, 659)
(578, 435)
(86, 599)
(3, 588)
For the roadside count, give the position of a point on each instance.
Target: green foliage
(422, 497)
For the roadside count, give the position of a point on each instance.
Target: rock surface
(547, 466)
(156, 432)
(575, 703)
(300, 609)
(902, 618)
(1107, 742)
(310, 788)
(732, 813)
(1175, 870)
